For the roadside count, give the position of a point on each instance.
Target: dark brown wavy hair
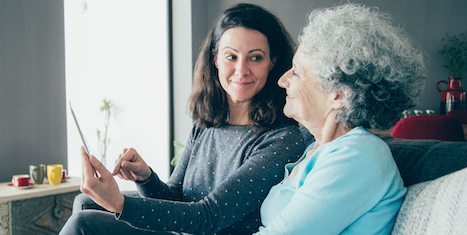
(208, 101)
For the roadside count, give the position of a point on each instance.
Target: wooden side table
(42, 209)
(385, 132)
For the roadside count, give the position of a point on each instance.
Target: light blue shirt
(350, 185)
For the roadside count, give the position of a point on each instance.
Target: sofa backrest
(423, 160)
(420, 160)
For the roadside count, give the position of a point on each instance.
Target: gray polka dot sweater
(219, 182)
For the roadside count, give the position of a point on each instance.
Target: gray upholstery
(420, 160)
(424, 160)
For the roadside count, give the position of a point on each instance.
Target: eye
(231, 57)
(256, 58)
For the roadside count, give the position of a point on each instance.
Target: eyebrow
(296, 68)
(248, 52)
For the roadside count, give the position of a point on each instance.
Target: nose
(241, 68)
(284, 79)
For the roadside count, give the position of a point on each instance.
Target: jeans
(90, 218)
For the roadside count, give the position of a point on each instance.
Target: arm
(238, 195)
(155, 188)
(131, 166)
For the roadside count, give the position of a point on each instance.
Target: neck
(328, 132)
(238, 113)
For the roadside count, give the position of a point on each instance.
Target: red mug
(64, 175)
(20, 180)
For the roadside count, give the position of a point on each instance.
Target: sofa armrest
(435, 207)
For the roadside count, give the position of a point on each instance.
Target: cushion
(424, 160)
(460, 114)
(436, 127)
(435, 207)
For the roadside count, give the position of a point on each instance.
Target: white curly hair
(357, 48)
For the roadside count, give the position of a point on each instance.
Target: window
(118, 50)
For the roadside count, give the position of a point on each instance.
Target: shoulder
(284, 130)
(364, 141)
(283, 135)
(359, 148)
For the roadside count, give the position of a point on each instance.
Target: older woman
(353, 71)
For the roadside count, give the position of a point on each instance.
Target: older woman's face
(243, 61)
(306, 102)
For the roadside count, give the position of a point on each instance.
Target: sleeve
(155, 188)
(237, 196)
(347, 181)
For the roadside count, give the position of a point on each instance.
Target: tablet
(80, 133)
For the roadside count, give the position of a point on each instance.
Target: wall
(426, 21)
(32, 85)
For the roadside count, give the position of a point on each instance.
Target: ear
(338, 101)
(273, 62)
(215, 61)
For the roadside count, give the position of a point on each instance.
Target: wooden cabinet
(43, 209)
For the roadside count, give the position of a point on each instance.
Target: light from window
(118, 50)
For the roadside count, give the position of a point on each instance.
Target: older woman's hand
(131, 166)
(99, 184)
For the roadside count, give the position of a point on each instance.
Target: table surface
(8, 194)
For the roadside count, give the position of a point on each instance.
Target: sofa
(435, 175)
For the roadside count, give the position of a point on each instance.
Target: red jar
(453, 97)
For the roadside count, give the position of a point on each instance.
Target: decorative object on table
(37, 173)
(418, 112)
(454, 55)
(453, 97)
(430, 112)
(406, 113)
(109, 110)
(54, 174)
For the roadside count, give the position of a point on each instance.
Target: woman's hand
(99, 184)
(130, 166)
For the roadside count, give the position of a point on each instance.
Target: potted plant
(109, 109)
(454, 54)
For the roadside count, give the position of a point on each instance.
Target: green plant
(177, 144)
(109, 110)
(454, 54)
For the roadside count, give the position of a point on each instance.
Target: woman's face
(243, 62)
(305, 102)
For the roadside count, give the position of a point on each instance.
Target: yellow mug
(54, 174)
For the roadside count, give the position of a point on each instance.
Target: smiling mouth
(243, 83)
